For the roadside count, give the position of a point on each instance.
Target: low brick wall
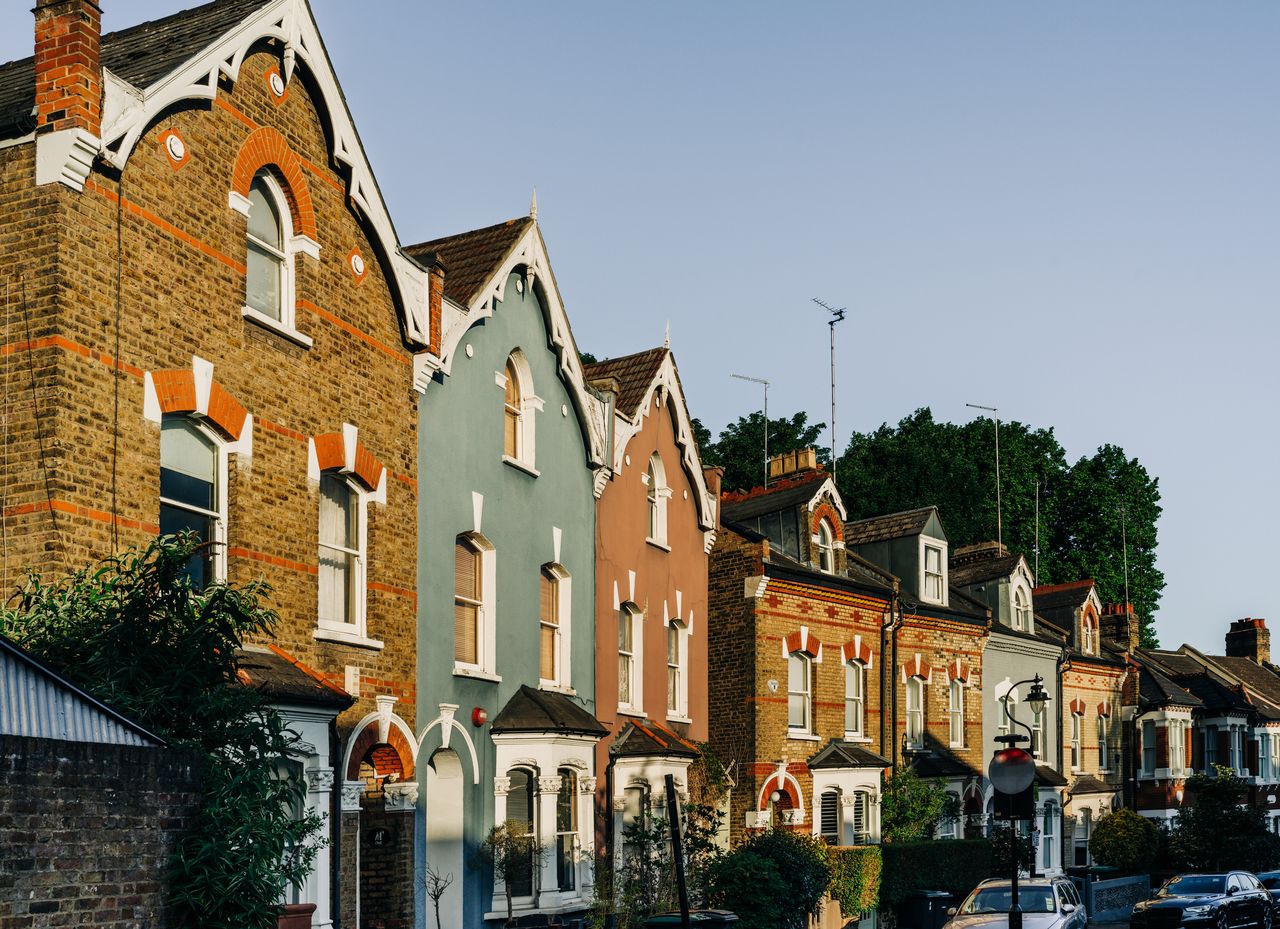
(87, 832)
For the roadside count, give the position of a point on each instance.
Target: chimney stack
(978, 552)
(1120, 626)
(68, 66)
(1249, 638)
(788, 464)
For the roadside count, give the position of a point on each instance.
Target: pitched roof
(282, 678)
(841, 754)
(891, 526)
(977, 572)
(634, 374)
(533, 710)
(649, 739)
(1155, 689)
(785, 494)
(470, 258)
(1260, 679)
(1048, 777)
(1088, 784)
(1052, 597)
(140, 54)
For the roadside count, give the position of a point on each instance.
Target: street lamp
(1011, 771)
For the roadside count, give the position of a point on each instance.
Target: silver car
(1047, 903)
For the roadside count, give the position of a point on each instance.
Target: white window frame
(947, 826)
(916, 686)
(1037, 731)
(219, 514)
(678, 703)
(826, 547)
(1148, 740)
(290, 246)
(859, 699)
(1077, 743)
(1086, 634)
(1048, 835)
(1104, 746)
(1176, 741)
(807, 727)
(657, 493)
(525, 458)
(486, 665)
(1021, 610)
(821, 811)
(955, 713)
(927, 544)
(564, 612)
(630, 613)
(357, 627)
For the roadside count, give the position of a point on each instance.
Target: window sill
(279, 328)
(461, 670)
(553, 687)
(673, 718)
(521, 466)
(959, 745)
(633, 712)
(345, 637)
(803, 736)
(656, 544)
(856, 737)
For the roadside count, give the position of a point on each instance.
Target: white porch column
(501, 785)
(586, 834)
(548, 794)
(319, 791)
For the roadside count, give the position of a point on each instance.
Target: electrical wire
(39, 418)
(116, 371)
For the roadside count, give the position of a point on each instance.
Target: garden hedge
(953, 865)
(855, 878)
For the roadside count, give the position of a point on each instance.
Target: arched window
(518, 407)
(826, 547)
(341, 571)
(629, 657)
(193, 493)
(268, 265)
(512, 404)
(915, 711)
(566, 830)
(520, 817)
(955, 712)
(1087, 635)
(800, 692)
(1021, 611)
(829, 816)
(854, 683)
(658, 492)
(553, 625)
(468, 602)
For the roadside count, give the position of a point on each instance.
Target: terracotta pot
(296, 916)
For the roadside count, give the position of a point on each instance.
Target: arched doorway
(386, 840)
(445, 835)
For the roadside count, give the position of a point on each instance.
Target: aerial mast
(837, 316)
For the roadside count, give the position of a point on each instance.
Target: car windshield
(996, 900)
(1193, 884)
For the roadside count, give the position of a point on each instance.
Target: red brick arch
(331, 453)
(827, 511)
(367, 740)
(176, 391)
(267, 148)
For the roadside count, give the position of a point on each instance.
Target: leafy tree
(1219, 830)
(910, 806)
(1124, 840)
(774, 880)
(135, 633)
(740, 448)
(511, 850)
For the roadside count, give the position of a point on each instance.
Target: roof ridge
(504, 224)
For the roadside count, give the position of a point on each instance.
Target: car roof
(1026, 882)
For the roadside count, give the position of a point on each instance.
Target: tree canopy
(1088, 510)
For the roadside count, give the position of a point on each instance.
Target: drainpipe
(896, 619)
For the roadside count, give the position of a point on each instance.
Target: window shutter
(465, 615)
(549, 613)
(830, 823)
(464, 571)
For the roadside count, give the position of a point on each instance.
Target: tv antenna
(995, 411)
(837, 316)
(760, 380)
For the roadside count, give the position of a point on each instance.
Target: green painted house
(510, 441)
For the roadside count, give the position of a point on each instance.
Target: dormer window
(934, 581)
(1087, 635)
(826, 547)
(1021, 611)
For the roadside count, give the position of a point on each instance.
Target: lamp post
(1011, 771)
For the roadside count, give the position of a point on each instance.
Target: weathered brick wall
(1092, 684)
(386, 868)
(87, 832)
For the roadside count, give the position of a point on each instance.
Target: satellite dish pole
(760, 380)
(837, 315)
(995, 411)
(1124, 547)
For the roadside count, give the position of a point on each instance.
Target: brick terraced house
(655, 524)
(210, 325)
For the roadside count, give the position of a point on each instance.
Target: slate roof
(967, 575)
(282, 678)
(1088, 784)
(533, 710)
(141, 55)
(1156, 689)
(1261, 680)
(470, 258)
(651, 738)
(1054, 597)
(891, 526)
(941, 764)
(841, 754)
(634, 374)
(1049, 777)
(784, 495)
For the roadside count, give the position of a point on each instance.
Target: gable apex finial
(533, 206)
(666, 342)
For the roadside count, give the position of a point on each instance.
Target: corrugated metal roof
(39, 703)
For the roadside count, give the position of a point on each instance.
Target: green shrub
(855, 878)
(800, 863)
(1124, 840)
(953, 865)
(1002, 851)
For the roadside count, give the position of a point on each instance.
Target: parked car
(1271, 881)
(1213, 901)
(1047, 903)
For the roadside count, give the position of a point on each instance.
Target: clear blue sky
(1066, 210)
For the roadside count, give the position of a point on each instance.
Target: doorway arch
(444, 847)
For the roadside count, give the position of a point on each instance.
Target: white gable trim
(624, 430)
(829, 487)
(529, 252)
(128, 111)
